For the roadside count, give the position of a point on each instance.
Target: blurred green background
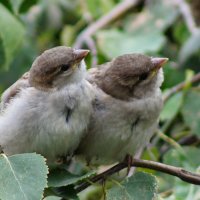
(168, 28)
(153, 27)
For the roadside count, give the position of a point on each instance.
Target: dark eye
(64, 67)
(143, 76)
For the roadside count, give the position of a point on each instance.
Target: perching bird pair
(60, 109)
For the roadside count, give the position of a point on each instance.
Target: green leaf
(97, 8)
(67, 192)
(180, 32)
(19, 6)
(172, 107)
(67, 35)
(173, 76)
(11, 35)
(191, 46)
(52, 198)
(157, 15)
(61, 177)
(191, 110)
(93, 7)
(176, 158)
(143, 33)
(7, 4)
(189, 161)
(16, 5)
(164, 13)
(22, 176)
(26, 5)
(2, 53)
(140, 186)
(125, 42)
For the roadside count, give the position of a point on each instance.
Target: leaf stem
(111, 16)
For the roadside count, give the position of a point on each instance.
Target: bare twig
(180, 86)
(114, 14)
(187, 15)
(184, 175)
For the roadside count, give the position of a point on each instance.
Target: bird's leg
(60, 160)
(1, 149)
(129, 160)
(66, 159)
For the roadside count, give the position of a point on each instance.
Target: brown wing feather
(14, 90)
(96, 74)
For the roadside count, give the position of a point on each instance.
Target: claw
(63, 160)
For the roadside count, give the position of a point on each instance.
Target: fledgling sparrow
(48, 109)
(127, 104)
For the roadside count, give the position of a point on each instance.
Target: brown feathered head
(57, 66)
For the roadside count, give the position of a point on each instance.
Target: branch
(180, 86)
(187, 140)
(187, 15)
(114, 14)
(184, 175)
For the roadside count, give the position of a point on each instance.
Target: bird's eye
(144, 76)
(64, 67)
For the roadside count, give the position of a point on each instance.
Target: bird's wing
(96, 74)
(14, 90)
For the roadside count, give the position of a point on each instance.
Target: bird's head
(56, 67)
(138, 73)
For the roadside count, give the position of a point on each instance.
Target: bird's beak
(80, 54)
(157, 64)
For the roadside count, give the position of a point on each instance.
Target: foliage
(190, 111)
(139, 186)
(9, 42)
(155, 28)
(22, 176)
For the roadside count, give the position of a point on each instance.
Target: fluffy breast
(119, 127)
(50, 123)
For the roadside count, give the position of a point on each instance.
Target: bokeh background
(109, 28)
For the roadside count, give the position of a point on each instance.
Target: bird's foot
(129, 160)
(1, 149)
(63, 160)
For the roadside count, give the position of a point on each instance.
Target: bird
(13, 90)
(48, 109)
(126, 108)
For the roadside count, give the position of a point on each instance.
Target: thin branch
(187, 140)
(114, 14)
(170, 141)
(180, 86)
(187, 15)
(184, 175)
